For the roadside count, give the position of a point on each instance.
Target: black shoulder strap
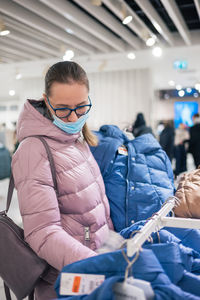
(7, 291)
(52, 166)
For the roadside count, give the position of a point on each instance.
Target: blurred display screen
(183, 112)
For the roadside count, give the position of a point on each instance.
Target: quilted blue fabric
(136, 184)
(113, 264)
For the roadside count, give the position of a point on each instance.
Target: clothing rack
(158, 221)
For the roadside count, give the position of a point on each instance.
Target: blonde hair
(89, 137)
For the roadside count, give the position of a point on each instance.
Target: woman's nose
(73, 117)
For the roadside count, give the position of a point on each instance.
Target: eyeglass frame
(71, 109)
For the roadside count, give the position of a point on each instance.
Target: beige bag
(188, 192)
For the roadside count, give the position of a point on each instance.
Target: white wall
(116, 95)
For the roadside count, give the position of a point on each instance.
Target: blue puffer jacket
(112, 264)
(137, 181)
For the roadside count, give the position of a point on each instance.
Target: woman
(70, 226)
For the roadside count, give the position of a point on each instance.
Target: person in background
(194, 141)
(181, 137)
(166, 138)
(68, 226)
(3, 133)
(139, 126)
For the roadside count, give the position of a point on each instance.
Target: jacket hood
(114, 132)
(143, 144)
(32, 122)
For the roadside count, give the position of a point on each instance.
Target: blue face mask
(71, 127)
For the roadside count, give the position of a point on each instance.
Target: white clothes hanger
(158, 221)
(132, 288)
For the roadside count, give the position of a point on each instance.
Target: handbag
(20, 267)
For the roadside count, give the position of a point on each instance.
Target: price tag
(79, 284)
(123, 150)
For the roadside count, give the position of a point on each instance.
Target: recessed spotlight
(197, 86)
(188, 90)
(157, 51)
(181, 93)
(150, 41)
(18, 76)
(127, 20)
(131, 55)
(69, 54)
(12, 92)
(157, 26)
(171, 83)
(69, 31)
(4, 32)
(178, 87)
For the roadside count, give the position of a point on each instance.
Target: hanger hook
(130, 263)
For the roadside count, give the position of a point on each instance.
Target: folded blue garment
(190, 283)
(146, 267)
(177, 262)
(189, 237)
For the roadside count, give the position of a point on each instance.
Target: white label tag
(79, 284)
(124, 291)
(123, 150)
(144, 285)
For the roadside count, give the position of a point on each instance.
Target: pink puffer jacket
(73, 226)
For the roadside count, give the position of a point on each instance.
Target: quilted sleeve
(39, 207)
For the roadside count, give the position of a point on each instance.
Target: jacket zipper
(87, 236)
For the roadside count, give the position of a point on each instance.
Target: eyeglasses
(66, 112)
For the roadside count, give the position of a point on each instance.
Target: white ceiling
(39, 35)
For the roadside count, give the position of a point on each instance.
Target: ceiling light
(69, 54)
(131, 55)
(157, 26)
(178, 87)
(197, 86)
(18, 76)
(127, 20)
(157, 51)
(69, 31)
(181, 93)
(150, 41)
(188, 90)
(3, 30)
(171, 83)
(12, 92)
